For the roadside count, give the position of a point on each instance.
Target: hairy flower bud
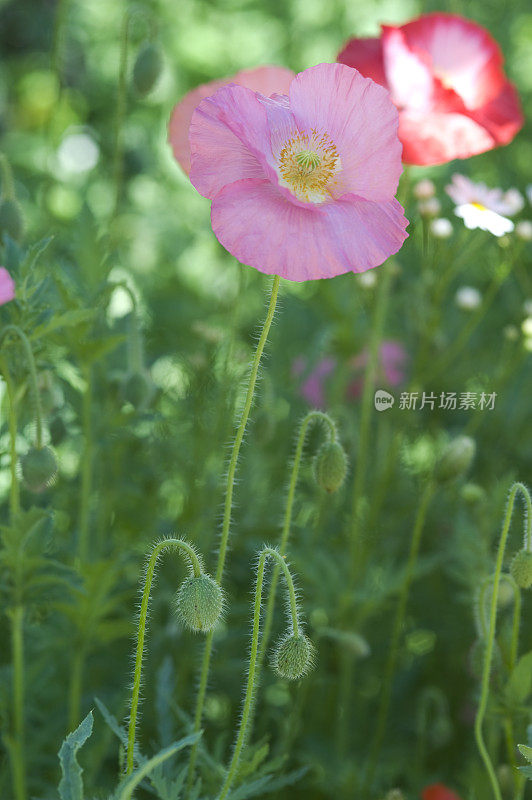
(456, 459)
(11, 219)
(39, 468)
(199, 603)
(521, 569)
(147, 68)
(330, 466)
(292, 658)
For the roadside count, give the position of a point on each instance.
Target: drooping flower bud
(330, 466)
(456, 459)
(39, 468)
(521, 569)
(199, 603)
(293, 657)
(147, 68)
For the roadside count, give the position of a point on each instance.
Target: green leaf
(67, 319)
(519, 684)
(127, 786)
(71, 784)
(526, 751)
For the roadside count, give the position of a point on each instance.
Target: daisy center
(480, 206)
(308, 163)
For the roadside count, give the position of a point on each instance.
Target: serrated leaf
(519, 684)
(526, 751)
(71, 784)
(127, 786)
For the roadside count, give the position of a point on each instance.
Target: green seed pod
(521, 569)
(11, 220)
(330, 466)
(472, 493)
(147, 68)
(137, 389)
(199, 603)
(39, 468)
(456, 459)
(292, 658)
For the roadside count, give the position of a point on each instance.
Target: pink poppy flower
(438, 792)
(302, 186)
(7, 286)
(266, 80)
(313, 387)
(391, 368)
(445, 74)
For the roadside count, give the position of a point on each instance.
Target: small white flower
(424, 189)
(430, 207)
(367, 279)
(468, 298)
(523, 230)
(481, 207)
(515, 202)
(78, 152)
(441, 228)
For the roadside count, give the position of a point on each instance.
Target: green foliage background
(157, 470)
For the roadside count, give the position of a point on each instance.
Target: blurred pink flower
(391, 372)
(266, 80)
(7, 286)
(302, 186)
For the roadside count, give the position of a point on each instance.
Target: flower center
(479, 206)
(307, 165)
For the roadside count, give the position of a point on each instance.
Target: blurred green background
(157, 469)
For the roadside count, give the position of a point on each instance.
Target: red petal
(438, 792)
(365, 55)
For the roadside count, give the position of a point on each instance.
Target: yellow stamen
(307, 165)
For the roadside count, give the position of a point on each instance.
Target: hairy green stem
(228, 505)
(30, 361)
(266, 552)
(311, 417)
(160, 547)
(400, 614)
(14, 490)
(484, 689)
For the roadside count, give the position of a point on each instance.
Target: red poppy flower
(438, 792)
(445, 75)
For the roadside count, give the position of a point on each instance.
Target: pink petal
(267, 80)
(263, 229)
(462, 52)
(408, 72)
(365, 55)
(439, 137)
(362, 121)
(7, 286)
(228, 136)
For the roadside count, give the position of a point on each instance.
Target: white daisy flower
(430, 207)
(468, 298)
(481, 207)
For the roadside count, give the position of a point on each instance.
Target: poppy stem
(30, 362)
(488, 654)
(228, 505)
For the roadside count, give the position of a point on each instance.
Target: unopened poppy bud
(330, 466)
(456, 459)
(11, 219)
(147, 68)
(293, 656)
(137, 389)
(39, 468)
(199, 603)
(521, 569)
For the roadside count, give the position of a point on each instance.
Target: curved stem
(222, 552)
(165, 544)
(30, 360)
(311, 417)
(382, 714)
(14, 492)
(266, 552)
(484, 689)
